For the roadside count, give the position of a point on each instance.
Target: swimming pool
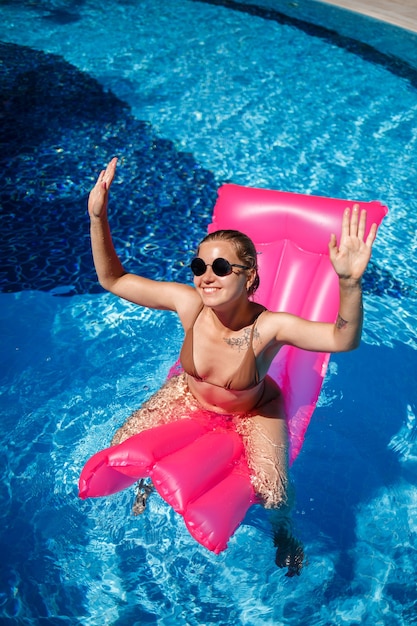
(189, 95)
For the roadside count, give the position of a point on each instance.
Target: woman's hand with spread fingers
(352, 256)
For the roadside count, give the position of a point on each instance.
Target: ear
(251, 279)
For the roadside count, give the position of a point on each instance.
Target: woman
(230, 341)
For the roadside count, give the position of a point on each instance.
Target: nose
(208, 275)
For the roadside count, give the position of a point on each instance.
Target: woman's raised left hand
(351, 257)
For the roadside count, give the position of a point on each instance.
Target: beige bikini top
(246, 376)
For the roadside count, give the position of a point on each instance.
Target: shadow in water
(59, 129)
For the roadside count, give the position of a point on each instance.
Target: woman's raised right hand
(99, 195)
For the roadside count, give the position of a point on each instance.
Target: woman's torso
(226, 369)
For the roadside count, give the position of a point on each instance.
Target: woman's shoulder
(269, 322)
(189, 306)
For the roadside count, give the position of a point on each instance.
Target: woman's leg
(265, 437)
(171, 402)
(267, 455)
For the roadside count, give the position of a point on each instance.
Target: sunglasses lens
(198, 267)
(221, 267)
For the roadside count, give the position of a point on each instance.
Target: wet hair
(245, 250)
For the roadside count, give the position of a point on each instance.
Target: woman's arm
(110, 272)
(349, 260)
(108, 266)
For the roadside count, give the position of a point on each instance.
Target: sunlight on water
(73, 368)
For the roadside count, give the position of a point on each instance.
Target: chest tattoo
(243, 342)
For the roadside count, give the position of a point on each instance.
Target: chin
(211, 299)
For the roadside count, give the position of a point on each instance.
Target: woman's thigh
(265, 436)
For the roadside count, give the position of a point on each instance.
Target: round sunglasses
(221, 267)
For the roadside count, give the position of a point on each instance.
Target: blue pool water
(289, 95)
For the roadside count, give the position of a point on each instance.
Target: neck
(236, 317)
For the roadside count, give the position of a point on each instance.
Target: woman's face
(222, 290)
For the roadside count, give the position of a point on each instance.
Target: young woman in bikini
(230, 341)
